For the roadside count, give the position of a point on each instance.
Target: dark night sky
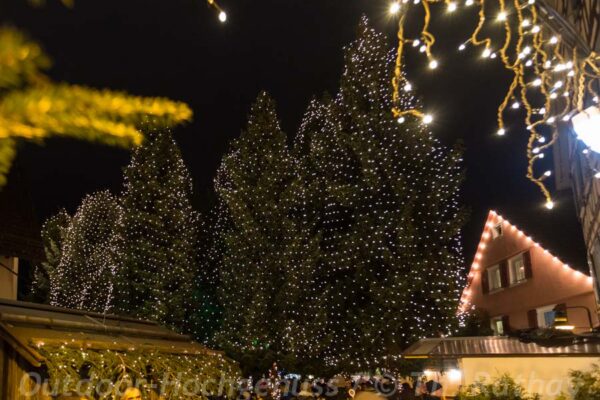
(293, 49)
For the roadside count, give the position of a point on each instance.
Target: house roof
(27, 327)
(494, 346)
(492, 220)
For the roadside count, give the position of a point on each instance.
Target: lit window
(497, 231)
(545, 316)
(494, 277)
(498, 326)
(517, 269)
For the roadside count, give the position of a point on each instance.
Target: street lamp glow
(586, 125)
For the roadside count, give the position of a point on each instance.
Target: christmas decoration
(251, 183)
(157, 234)
(54, 233)
(32, 107)
(553, 75)
(346, 249)
(107, 372)
(83, 276)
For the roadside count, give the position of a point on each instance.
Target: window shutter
(506, 324)
(504, 274)
(485, 284)
(527, 264)
(532, 318)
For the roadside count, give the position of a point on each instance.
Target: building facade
(517, 284)
(578, 21)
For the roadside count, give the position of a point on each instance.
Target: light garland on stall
(552, 80)
(493, 220)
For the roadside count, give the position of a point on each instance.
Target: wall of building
(551, 283)
(8, 279)
(547, 376)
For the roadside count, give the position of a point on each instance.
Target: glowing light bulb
(529, 63)
(515, 105)
(535, 150)
(416, 42)
(549, 205)
(537, 82)
(525, 23)
(433, 64)
(566, 118)
(469, 3)
(222, 16)
(486, 53)
(501, 132)
(501, 16)
(548, 173)
(394, 8)
(553, 95)
(558, 84)
(422, 49)
(542, 139)
(462, 47)
(427, 119)
(541, 155)
(401, 120)
(535, 29)
(531, 2)
(551, 120)
(451, 6)
(408, 87)
(547, 64)
(554, 40)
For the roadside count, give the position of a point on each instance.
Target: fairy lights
(551, 81)
(222, 15)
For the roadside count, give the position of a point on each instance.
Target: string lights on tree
(222, 15)
(552, 80)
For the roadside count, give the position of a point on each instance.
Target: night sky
(292, 49)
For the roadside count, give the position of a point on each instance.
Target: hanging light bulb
(433, 64)
(501, 16)
(223, 16)
(427, 119)
(549, 205)
(515, 105)
(394, 7)
(548, 173)
(462, 47)
(501, 132)
(407, 87)
(586, 125)
(416, 42)
(401, 120)
(451, 6)
(525, 23)
(537, 82)
(422, 49)
(469, 3)
(486, 53)
(554, 40)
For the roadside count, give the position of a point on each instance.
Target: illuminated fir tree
(383, 201)
(206, 311)
(83, 279)
(54, 233)
(252, 183)
(157, 234)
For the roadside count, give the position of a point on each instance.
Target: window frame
(497, 231)
(541, 315)
(512, 273)
(494, 269)
(495, 323)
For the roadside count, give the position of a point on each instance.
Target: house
(459, 362)
(518, 284)
(48, 350)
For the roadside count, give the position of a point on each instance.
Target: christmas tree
(206, 314)
(157, 234)
(83, 276)
(54, 233)
(383, 199)
(252, 183)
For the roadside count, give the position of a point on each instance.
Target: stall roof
(27, 326)
(494, 346)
